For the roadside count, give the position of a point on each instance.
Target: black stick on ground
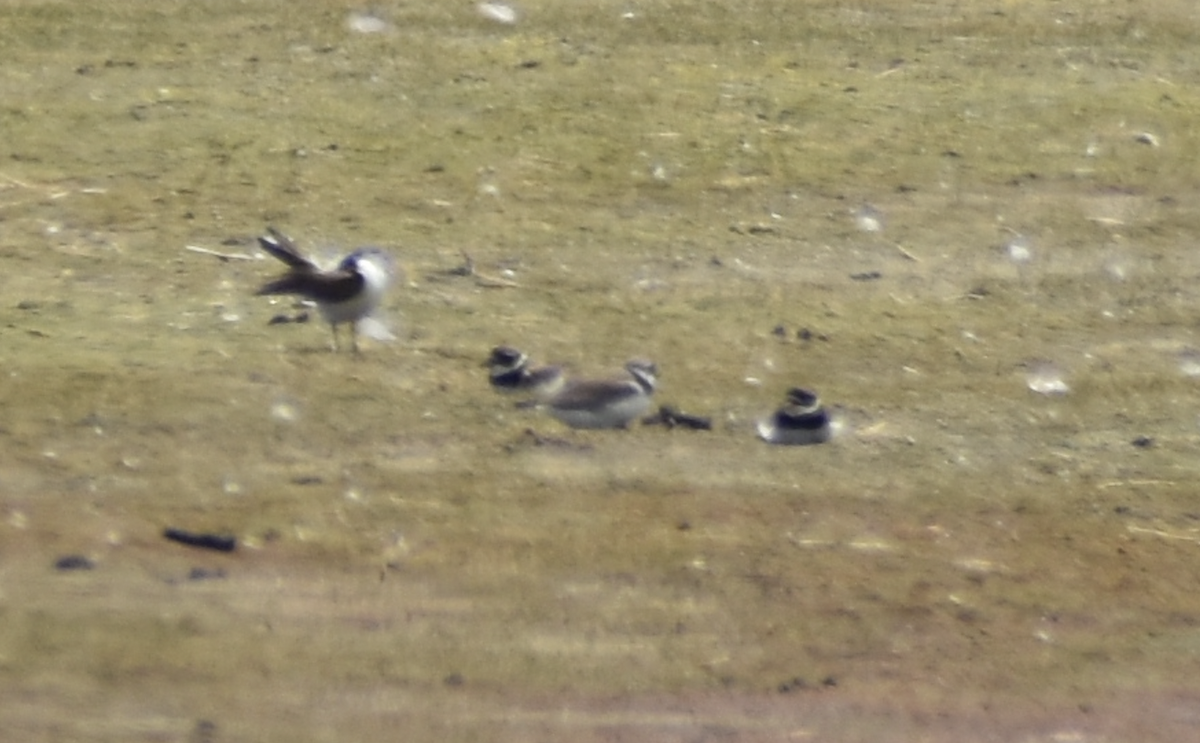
(218, 542)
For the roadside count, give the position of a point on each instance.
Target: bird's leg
(336, 345)
(354, 336)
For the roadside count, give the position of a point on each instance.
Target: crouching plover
(346, 294)
(509, 371)
(606, 403)
(801, 420)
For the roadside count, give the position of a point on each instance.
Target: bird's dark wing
(332, 286)
(280, 245)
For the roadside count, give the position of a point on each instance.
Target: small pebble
(74, 562)
(365, 23)
(866, 276)
(205, 731)
(1020, 249)
(790, 685)
(1045, 378)
(869, 219)
(198, 573)
(498, 12)
(284, 319)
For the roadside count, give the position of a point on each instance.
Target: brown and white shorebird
(606, 403)
(801, 420)
(509, 370)
(347, 294)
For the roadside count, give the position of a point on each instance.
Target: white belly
(772, 433)
(375, 281)
(614, 415)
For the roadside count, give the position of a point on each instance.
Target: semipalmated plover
(606, 403)
(509, 371)
(801, 420)
(346, 294)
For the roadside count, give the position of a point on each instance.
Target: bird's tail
(281, 246)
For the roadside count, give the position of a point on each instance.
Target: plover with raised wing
(347, 294)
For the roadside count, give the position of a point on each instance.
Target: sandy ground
(970, 229)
